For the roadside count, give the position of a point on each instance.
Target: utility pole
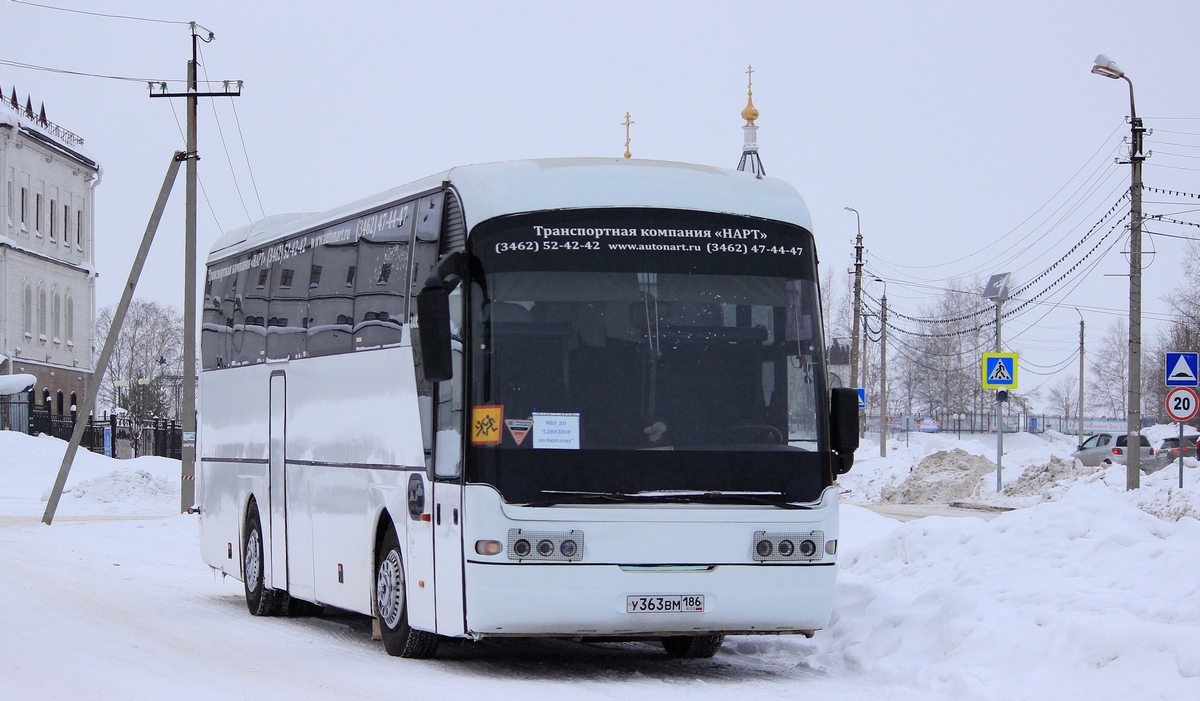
(883, 372)
(114, 330)
(858, 264)
(1108, 68)
(187, 487)
(1080, 377)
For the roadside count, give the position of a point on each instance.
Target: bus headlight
(545, 546)
(790, 547)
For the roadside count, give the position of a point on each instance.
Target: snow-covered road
(1081, 596)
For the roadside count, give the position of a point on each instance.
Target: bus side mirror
(843, 427)
(433, 318)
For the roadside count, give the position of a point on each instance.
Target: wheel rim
(389, 589)
(252, 560)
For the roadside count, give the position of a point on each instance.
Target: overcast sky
(970, 136)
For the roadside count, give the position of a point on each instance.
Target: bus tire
(391, 606)
(259, 599)
(692, 646)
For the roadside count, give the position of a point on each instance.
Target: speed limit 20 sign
(1181, 403)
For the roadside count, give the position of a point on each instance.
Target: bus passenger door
(448, 557)
(276, 475)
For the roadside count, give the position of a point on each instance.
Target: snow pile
(99, 485)
(139, 487)
(1050, 480)
(944, 477)
(1087, 597)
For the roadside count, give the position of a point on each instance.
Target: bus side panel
(348, 414)
(418, 560)
(233, 423)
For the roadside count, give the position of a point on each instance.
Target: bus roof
(492, 190)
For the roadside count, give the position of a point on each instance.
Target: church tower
(750, 160)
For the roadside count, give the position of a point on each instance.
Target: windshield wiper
(677, 497)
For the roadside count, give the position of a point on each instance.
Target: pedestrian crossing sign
(999, 370)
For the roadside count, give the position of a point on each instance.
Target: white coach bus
(583, 398)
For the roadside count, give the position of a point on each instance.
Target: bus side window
(331, 299)
(380, 300)
(287, 318)
(215, 331)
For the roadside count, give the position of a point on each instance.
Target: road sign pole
(1181, 455)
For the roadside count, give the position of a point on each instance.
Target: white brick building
(47, 256)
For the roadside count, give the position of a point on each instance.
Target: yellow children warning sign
(487, 424)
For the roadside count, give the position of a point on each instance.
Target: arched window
(42, 313)
(29, 311)
(46, 398)
(74, 403)
(60, 403)
(57, 317)
(70, 318)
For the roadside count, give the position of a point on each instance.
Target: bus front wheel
(399, 639)
(694, 646)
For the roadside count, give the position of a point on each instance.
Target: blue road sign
(1183, 369)
(862, 398)
(999, 371)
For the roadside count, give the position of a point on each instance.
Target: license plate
(672, 603)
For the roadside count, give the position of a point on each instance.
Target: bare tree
(146, 367)
(1064, 397)
(1108, 386)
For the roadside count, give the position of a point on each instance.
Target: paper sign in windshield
(556, 431)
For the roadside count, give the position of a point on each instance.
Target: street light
(1108, 68)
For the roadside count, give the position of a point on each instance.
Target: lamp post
(858, 264)
(1108, 68)
(883, 371)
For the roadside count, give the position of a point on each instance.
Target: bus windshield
(645, 354)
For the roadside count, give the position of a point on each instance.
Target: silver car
(1108, 447)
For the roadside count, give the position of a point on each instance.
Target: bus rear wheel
(692, 646)
(399, 639)
(259, 599)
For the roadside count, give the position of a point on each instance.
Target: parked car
(1168, 450)
(1109, 447)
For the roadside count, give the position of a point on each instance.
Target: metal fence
(985, 422)
(111, 435)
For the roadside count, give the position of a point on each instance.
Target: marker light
(568, 548)
(521, 548)
(786, 548)
(545, 548)
(488, 547)
(764, 548)
(807, 548)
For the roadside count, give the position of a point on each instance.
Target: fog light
(488, 547)
(568, 548)
(831, 547)
(764, 548)
(545, 548)
(807, 548)
(522, 548)
(786, 548)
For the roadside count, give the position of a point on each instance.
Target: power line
(98, 14)
(33, 67)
